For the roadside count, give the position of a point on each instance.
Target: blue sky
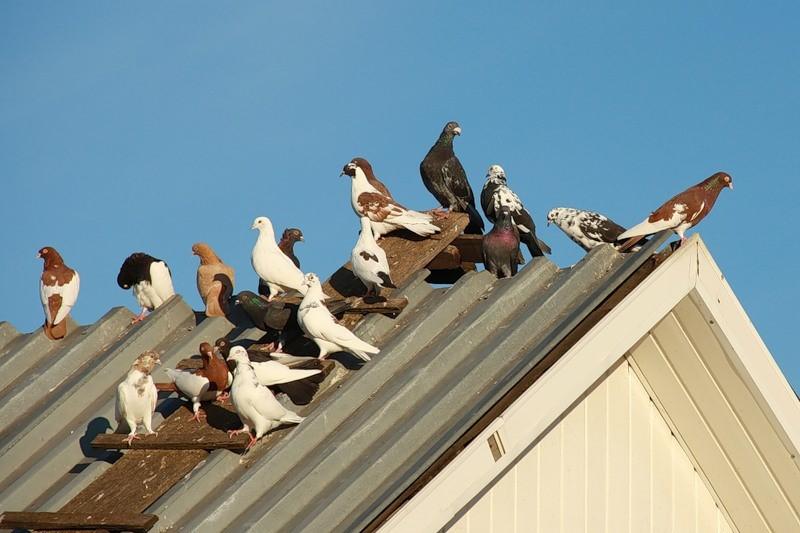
(147, 127)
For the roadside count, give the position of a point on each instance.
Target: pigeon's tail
(536, 247)
(360, 348)
(421, 225)
(475, 226)
(291, 418)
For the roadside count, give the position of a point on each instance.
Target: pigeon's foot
(222, 398)
(131, 438)
(440, 213)
(232, 432)
(198, 415)
(252, 442)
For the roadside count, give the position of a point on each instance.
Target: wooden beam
(190, 441)
(357, 304)
(166, 387)
(470, 247)
(448, 259)
(119, 521)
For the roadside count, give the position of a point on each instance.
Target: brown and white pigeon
(681, 212)
(501, 245)
(370, 198)
(369, 261)
(58, 291)
(286, 244)
(150, 280)
(587, 229)
(445, 178)
(215, 280)
(495, 194)
(204, 384)
(137, 396)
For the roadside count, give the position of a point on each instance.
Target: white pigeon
(271, 264)
(586, 228)
(369, 261)
(137, 396)
(204, 384)
(320, 325)
(255, 404)
(274, 373)
(385, 213)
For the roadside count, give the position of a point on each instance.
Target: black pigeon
(275, 318)
(496, 194)
(300, 392)
(446, 180)
(501, 246)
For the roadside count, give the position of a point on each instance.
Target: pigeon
(58, 291)
(369, 261)
(681, 212)
(501, 245)
(272, 317)
(137, 396)
(214, 280)
(286, 244)
(370, 198)
(255, 404)
(586, 228)
(271, 373)
(150, 279)
(203, 384)
(272, 265)
(446, 180)
(320, 325)
(497, 193)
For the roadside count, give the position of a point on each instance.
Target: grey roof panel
(7, 334)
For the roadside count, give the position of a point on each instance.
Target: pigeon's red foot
(198, 415)
(222, 398)
(232, 432)
(252, 442)
(131, 438)
(440, 213)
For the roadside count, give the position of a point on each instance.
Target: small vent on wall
(496, 445)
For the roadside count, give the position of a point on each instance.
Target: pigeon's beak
(548, 223)
(457, 131)
(38, 255)
(302, 239)
(341, 173)
(730, 185)
(253, 226)
(236, 301)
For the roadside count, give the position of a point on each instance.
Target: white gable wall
(611, 464)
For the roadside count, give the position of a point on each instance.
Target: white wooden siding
(611, 464)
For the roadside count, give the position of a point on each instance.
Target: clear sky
(149, 126)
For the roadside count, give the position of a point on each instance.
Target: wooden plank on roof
(119, 521)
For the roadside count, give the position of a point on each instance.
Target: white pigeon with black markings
(369, 261)
(137, 396)
(321, 327)
(255, 404)
(587, 229)
(273, 266)
(497, 194)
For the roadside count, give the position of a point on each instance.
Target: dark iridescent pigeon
(446, 180)
(682, 211)
(496, 193)
(501, 246)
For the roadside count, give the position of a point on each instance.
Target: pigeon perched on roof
(274, 318)
(682, 211)
(215, 280)
(202, 384)
(271, 264)
(286, 244)
(255, 404)
(58, 292)
(501, 245)
(137, 396)
(446, 179)
(369, 261)
(320, 325)
(150, 280)
(370, 198)
(586, 228)
(496, 193)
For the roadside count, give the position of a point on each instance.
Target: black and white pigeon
(369, 261)
(587, 229)
(501, 245)
(495, 194)
(150, 280)
(446, 179)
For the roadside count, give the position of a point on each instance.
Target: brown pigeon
(214, 280)
(681, 212)
(58, 289)
(204, 384)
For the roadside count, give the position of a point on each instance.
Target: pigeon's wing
(487, 200)
(120, 406)
(274, 373)
(599, 227)
(44, 295)
(326, 328)
(189, 383)
(455, 179)
(668, 216)
(69, 295)
(152, 395)
(378, 207)
(161, 280)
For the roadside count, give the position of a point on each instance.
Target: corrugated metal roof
(445, 361)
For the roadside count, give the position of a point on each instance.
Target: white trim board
(690, 271)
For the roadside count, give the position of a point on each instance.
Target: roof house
(627, 392)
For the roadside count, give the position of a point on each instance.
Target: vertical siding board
(684, 476)
(527, 493)
(640, 470)
(662, 444)
(597, 454)
(462, 526)
(618, 518)
(480, 516)
(574, 455)
(503, 504)
(550, 481)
